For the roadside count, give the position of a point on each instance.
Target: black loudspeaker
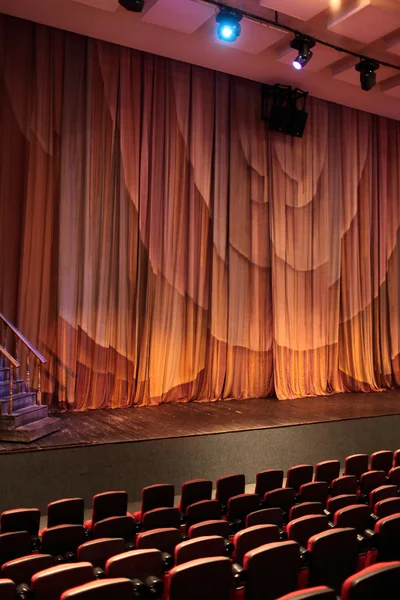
(287, 119)
(132, 5)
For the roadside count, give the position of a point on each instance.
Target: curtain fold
(157, 244)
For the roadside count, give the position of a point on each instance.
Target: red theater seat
(136, 564)
(298, 476)
(7, 589)
(316, 491)
(160, 518)
(382, 493)
(265, 516)
(371, 480)
(165, 540)
(394, 476)
(253, 537)
(337, 502)
(316, 593)
(268, 480)
(116, 527)
(284, 498)
(396, 458)
(108, 504)
(106, 589)
(62, 539)
(68, 511)
(271, 570)
(203, 579)
(346, 485)
(307, 508)
(160, 495)
(334, 557)
(378, 582)
(205, 510)
(194, 491)
(357, 517)
(388, 507)
(229, 486)
(381, 461)
(21, 570)
(97, 552)
(201, 547)
(20, 519)
(356, 464)
(51, 583)
(216, 527)
(14, 545)
(300, 530)
(327, 471)
(388, 541)
(241, 506)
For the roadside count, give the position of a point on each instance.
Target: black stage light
(132, 5)
(303, 45)
(367, 69)
(228, 20)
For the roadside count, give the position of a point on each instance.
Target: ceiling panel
(395, 49)
(184, 16)
(297, 8)
(366, 22)
(110, 5)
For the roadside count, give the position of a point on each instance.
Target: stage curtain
(157, 244)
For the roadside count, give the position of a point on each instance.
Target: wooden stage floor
(99, 427)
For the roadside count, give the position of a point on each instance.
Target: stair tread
(26, 410)
(18, 396)
(38, 424)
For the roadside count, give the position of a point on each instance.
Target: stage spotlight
(367, 67)
(132, 5)
(228, 20)
(303, 45)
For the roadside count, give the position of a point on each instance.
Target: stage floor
(102, 427)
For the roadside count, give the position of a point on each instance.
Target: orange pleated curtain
(157, 244)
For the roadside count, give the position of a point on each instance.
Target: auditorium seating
(396, 458)
(370, 481)
(345, 485)
(67, 511)
(204, 510)
(333, 557)
(327, 471)
(357, 517)
(283, 498)
(253, 537)
(315, 491)
(165, 540)
(394, 476)
(97, 552)
(388, 507)
(388, 540)
(116, 527)
(240, 506)
(199, 547)
(21, 570)
(161, 517)
(51, 583)
(209, 578)
(356, 464)
(382, 493)
(381, 461)
(216, 527)
(378, 582)
(107, 589)
(7, 589)
(302, 529)
(306, 508)
(298, 475)
(265, 516)
(337, 502)
(14, 545)
(227, 487)
(21, 519)
(194, 491)
(136, 564)
(268, 480)
(316, 593)
(160, 495)
(63, 539)
(108, 504)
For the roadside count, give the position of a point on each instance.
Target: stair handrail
(23, 339)
(14, 364)
(9, 358)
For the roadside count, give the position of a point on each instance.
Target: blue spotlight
(228, 20)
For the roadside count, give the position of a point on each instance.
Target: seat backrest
(356, 464)
(242, 505)
(109, 504)
(283, 498)
(320, 592)
(327, 471)
(315, 491)
(300, 530)
(206, 578)
(105, 589)
(394, 476)
(396, 458)
(20, 519)
(99, 551)
(7, 589)
(67, 511)
(271, 570)
(163, 539)
(337, 502)
(204, 510)
(388, 507)
(51, 583)
(265, 516)
(13, 545)
(388, 541)
(159, 518)
(214, 527)
(306, 508)
(229, 486)
(253, 537)
(357, 516)
(345, 485)
(382, 461)
(136, 564)
(298, 475)
(378, 581)
(201, 547)
(333, 558)
(21, 570)
(371, 480)
(194, 491)
(62, 539)
(268, 480)
(115, 527)
(382, 493)
(160, 495)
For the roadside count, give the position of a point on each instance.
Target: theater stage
(133, 447)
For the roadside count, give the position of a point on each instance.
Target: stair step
(32, 431)
(19, 401)
(4, 374)
(23, 416)
(19, 386)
